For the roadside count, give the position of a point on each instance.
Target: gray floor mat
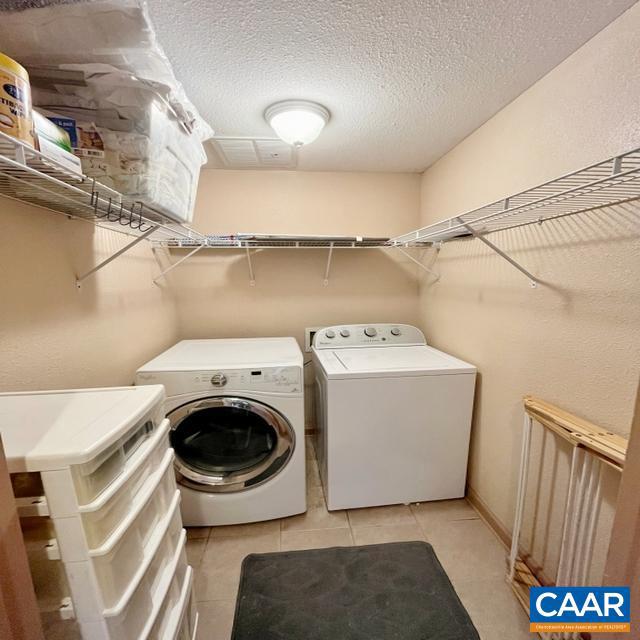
(396, 591)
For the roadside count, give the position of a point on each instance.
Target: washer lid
(204, 355)
(390, 361)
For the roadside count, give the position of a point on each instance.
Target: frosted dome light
(297, 122)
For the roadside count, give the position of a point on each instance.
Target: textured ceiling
(405, 80)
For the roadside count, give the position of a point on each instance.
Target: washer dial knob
(395, 331)
(345, 333)
(370, 332)
(218, 379)
(330, 333)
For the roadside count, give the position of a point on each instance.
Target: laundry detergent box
(45, 128)
(66, 124)
(54, 143)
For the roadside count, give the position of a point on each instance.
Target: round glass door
(229, 444)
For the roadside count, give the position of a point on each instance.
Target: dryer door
(227, 444)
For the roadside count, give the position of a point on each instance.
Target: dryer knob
(395, 331)
(330, 333)
(345, 333)
(370, 332)
(218, 380)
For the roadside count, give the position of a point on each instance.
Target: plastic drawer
(155, 508)
(117, 569)
(174, 607)
(192, 615)
(92, 478)
(129, 624)
(164, 556)
(168, 611)
(186, 631)
(135, 620)
(101, 522)
(189, 622)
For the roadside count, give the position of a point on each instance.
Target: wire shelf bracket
(327, 269)
(424, 267)
(162, 274)
(533, 280)
(252, 277)
(117, 254)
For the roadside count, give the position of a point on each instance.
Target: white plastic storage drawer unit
(106, 469)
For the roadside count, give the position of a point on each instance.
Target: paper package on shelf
(128, 95)
(118, 33)
(129, 138)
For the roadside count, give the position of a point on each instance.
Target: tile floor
(470, 553)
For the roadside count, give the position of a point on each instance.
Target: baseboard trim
(489, 517)
(503, 534)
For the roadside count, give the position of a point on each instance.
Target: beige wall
(53, 335)
(215, 298)
(576, 340)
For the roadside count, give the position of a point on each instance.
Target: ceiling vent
(255, 153)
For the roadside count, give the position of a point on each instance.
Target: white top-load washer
(393, 416)
(236, 409)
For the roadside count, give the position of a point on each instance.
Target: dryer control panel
(367, 335)
(281, 379)
(265, 379)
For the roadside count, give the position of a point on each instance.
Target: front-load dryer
(393, 416)
(236, 410)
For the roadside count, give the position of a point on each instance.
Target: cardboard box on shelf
(54, 143)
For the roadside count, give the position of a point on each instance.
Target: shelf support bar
(418, 263)
(328, 267)
(117, 254)
(175, 264)
(532, 279)
(20, 155)
(617, 165)
(252, 277)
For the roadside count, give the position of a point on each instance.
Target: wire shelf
(607, 183)
(260, 241)
(28, 176)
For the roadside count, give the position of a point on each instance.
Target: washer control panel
(280, 379)
(366, 335)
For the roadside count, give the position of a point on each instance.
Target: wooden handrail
(608, 446)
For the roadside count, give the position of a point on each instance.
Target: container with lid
(15, 101)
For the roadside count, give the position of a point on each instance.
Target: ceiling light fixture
(297, 122)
